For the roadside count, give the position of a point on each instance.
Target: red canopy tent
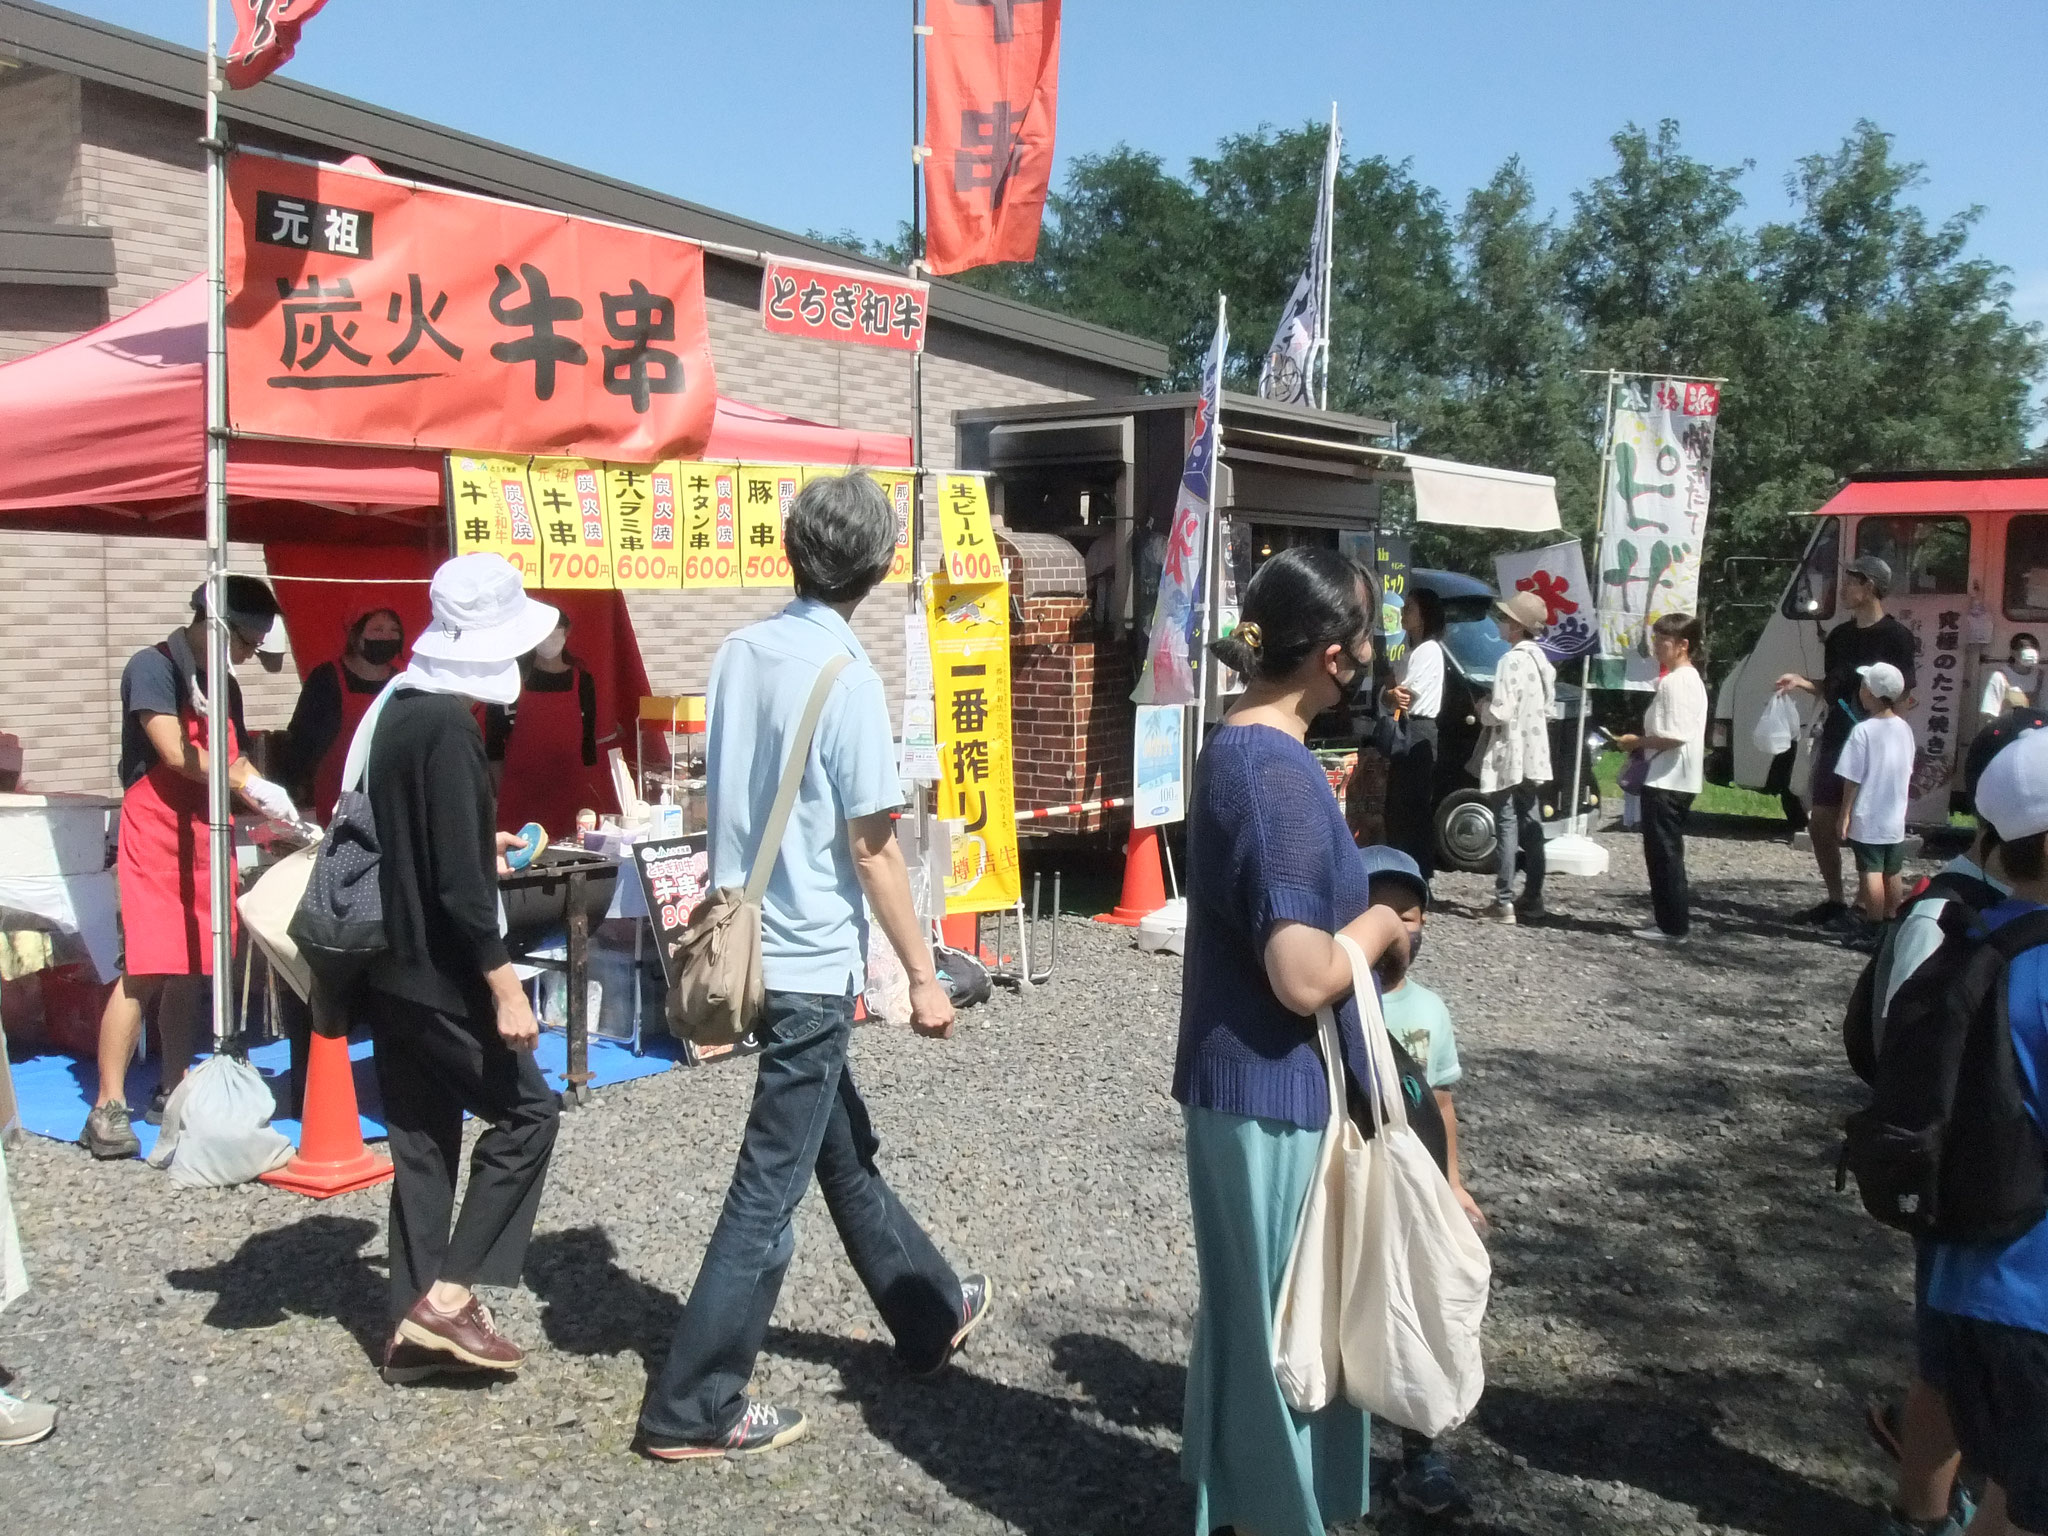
(105, 433)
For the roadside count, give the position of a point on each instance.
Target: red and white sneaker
(760, 1429)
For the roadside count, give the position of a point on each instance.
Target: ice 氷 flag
(1653, 518)
(1169, 676)
(1556, 574)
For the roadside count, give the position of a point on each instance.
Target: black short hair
(2025, 858)
(1686, 627)
(1300, 601)
(1431, 607)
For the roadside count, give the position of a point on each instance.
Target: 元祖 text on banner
(365, 310)
(575, 535)
(491, 511)
(766, 493)
(1557, 575)
(710, 525)
(870, 309)
(1653, 518)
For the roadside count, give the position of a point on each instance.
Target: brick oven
(1071, 712)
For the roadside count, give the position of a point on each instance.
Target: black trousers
(432, 1066)
(1411, 781)
(1664, 817)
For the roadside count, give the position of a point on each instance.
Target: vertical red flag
(266, 36)
(992, 73)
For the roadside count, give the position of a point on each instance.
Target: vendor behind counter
(332, 703)
(546, 745)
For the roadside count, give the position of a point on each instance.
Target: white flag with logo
(1557, 575)
(1288, 373)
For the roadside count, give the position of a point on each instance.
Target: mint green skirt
(1254, 1462)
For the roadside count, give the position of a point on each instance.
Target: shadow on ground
(313, 1268)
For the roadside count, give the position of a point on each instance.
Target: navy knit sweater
(1266, 844)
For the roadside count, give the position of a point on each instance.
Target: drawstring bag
(1778, 726)
(1387, 1283)
(217, 1127)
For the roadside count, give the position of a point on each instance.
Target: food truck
(1968, 551)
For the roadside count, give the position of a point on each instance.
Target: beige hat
(1525, 609)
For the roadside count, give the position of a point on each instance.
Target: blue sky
(796, 112)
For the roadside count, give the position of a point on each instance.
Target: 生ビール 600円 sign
(362, 309)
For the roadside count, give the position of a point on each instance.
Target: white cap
(2013, 794)
(482, 613)
(1884, 680)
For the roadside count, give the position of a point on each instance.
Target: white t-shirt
(2006, 678)
(1422, 674)
(1878, 759)
(1678, 713)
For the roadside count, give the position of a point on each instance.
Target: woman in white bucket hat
(452, 1026)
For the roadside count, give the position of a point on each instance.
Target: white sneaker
(1657, 935)
(24, 1423)
(1499, 912)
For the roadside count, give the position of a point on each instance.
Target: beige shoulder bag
(717, 999)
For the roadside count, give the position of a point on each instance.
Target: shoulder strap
(792, 776)
(2022, 933)
(355, 765)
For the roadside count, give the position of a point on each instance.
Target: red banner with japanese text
(992, 71)
(366, 310)
(833, 304)
(266, 37)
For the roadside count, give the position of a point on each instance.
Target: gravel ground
(1686, 1322)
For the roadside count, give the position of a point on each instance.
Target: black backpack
(1946, 1149)
(1860, 1024)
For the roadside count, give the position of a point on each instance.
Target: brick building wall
(73, 607)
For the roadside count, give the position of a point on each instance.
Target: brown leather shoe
(406, 1363)
(470, 1334)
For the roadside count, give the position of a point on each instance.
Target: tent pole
(220, 826)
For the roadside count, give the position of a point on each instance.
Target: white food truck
(1969, 556)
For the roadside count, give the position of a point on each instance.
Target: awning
(1956, 492)
(1476, 496)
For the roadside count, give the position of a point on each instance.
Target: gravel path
(1686, 1321)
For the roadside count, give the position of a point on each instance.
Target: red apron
(545, 778)
(327, 777)
(166, 910)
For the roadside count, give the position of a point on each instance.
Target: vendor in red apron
(332, 703)
(547, 746)
(166, 913)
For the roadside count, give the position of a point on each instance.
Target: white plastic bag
(217, 1127)
(888, 986)
(1778, 726)
(1402, 1303)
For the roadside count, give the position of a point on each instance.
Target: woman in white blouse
(1417, 698)
(1674, 739)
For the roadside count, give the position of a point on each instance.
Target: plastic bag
(888, 988)
(217, 1127)
(1778, 726)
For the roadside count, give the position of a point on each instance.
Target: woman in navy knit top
(1272, 876)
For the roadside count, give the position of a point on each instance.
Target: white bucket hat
(482, 614)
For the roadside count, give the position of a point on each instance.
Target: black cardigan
(436, 821)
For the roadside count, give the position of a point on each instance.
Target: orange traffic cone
(331, 1159)
(1144, 884)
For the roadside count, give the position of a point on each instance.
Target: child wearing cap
(1417, 1018)
(1991, 1299)
(1876, 770)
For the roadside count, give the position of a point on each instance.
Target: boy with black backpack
(1988, 1270)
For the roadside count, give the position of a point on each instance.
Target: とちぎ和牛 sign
(367, 310)
(870, 309)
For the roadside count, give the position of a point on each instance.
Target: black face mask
(379, 653)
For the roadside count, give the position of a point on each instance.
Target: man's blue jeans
(806, 1115)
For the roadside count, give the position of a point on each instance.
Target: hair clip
(1250, 635)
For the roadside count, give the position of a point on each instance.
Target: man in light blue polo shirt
(807, 1114)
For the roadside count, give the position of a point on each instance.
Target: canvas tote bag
(717, 999)
(1399, 1304)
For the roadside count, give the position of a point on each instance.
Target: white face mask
(552, 647)
(2026, 658)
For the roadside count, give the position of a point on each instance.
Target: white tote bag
(1387, 1285)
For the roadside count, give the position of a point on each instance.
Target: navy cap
(1387, 863)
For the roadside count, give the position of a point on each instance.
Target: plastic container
(1165, 930)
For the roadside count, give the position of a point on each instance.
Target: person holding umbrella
(166, 909)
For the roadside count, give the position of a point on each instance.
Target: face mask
(552, 647)
(379, 653)
(2026, 658)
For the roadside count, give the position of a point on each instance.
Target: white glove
(269, 798)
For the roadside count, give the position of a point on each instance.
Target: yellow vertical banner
(709, 525)
(568, 498)
(766, 492)
(969, 624)
(493, 512)
(965, 534)
(640, 504)
(899, 485)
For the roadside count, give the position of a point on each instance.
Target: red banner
(992, 72)
(364, 310)
(266, 36)
(834, 304)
